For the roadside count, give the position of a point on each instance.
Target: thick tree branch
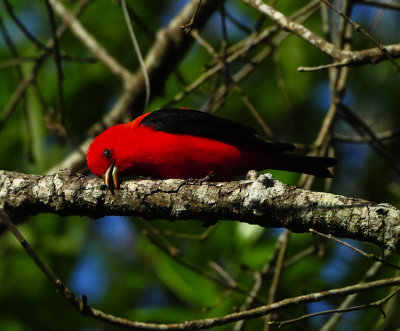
(265, 202)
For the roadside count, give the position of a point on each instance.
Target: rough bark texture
(265, 202)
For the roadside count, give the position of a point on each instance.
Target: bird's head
(105, 156)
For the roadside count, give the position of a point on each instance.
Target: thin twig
(253, 111)
(21, 95)
(90, 42)
(370, 274)
(222, 272)
(242, 49)
(381, 136)
(195, 237)
(370, 256)
(23, 85)
(188, 27)
(161, 60)
(138, 54)
(338, 64)
(283, 241)
(337, 83)
(155, 235)
(259, 278)
(298, 29)
(169, 252)
(258, 282)
(237, 88)
(376, 304)
(280, 79)
(57, 59)
(15, 62)
(24, 30)
(20, 91)
(54, 279)
(359, 125)
(360, 29)
(81, 305)
(144, 28)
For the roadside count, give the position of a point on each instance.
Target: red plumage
(185, 143)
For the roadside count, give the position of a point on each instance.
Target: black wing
(197, 123)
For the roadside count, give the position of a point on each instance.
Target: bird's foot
(200, 181)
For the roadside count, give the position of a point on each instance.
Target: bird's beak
(110, 177)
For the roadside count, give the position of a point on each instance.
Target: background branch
(165, 54)
(83, 307)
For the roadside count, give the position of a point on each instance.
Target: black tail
(311, 165)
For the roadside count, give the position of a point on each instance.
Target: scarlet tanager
(186, 143)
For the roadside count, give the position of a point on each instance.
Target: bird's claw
(200, 181)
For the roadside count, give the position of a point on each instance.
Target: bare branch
(168, 50)
(265, 202)
(89, 41)
(348, 301)
(360, 29)
(377, 304)
(345, 57)
(283, 242)
(29, 79)
(138, 53)
(83, 307)
(370, 256)
(298, 29)
(24, 30)
(57, 59)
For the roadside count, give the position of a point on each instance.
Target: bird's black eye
(107, 153)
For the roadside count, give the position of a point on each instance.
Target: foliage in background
(117, 262)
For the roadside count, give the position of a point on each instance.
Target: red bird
(186, 143)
